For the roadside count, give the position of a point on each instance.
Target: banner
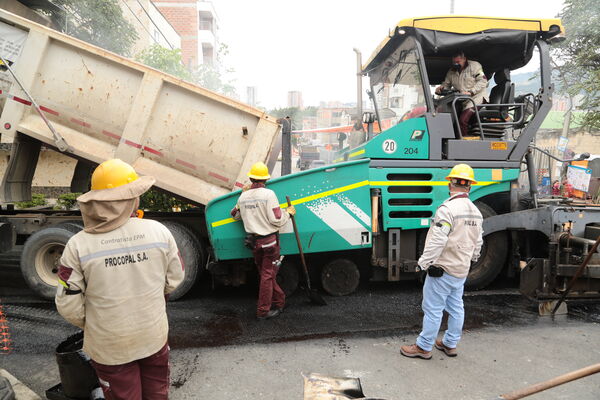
(12, 41)
(579, 177)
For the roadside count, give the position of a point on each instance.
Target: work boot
(414, 351)
(270, 314)
(281, 309)
(450, 352)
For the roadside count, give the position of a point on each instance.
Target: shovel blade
(545, 308)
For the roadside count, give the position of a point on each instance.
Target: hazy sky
(306, 45)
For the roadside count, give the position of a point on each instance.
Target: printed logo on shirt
(126, 259)
(123, 239)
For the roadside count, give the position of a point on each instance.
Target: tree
(165, 60)
(294, 113)
(213, 76)
(207, 75)
(578, 57)
(99, 22)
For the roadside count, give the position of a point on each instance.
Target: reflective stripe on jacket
(455, 236)
(113, 286)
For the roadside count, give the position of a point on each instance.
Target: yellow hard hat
(462, 171)
(259, 171)
(113, 173)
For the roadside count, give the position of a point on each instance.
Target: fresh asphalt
(220, 351)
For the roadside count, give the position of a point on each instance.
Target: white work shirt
(455, 237)
(259, 210)
(123, 276)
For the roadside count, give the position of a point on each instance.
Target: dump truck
(98, 105)
(366, 217)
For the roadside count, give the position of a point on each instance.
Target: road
(219, 351)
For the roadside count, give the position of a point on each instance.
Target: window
(397, 83)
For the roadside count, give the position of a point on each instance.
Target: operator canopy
(496, 43)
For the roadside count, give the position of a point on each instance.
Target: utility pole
(359, 104)
(286, 145)
(451, 6)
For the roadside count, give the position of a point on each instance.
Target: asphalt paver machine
(367, 215)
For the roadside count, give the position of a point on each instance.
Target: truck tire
(41, 258)
(492, 258)
(192, 254)
(340, 277)
(288, 277)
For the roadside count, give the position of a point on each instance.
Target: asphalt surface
(214, 338)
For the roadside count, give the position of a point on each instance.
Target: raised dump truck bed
(197, 143)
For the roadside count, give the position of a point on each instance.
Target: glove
(245, 187)
(291, 210)
(421, 274)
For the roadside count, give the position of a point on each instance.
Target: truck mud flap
(8, 236)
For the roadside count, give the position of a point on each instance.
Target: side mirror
(583, 156)
(368, 117)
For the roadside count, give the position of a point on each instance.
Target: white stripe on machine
(338, 219)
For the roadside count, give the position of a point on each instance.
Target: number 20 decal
(389, 146)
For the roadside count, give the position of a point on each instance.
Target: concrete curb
(22, 392)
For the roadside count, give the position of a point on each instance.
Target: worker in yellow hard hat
(259, 210)
(113, 280)
(453, 242)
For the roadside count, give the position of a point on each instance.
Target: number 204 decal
(389, 146)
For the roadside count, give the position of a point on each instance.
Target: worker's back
(126, 277)
(260, 211)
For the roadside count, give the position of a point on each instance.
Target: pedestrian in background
(114, 278)
(453, 242)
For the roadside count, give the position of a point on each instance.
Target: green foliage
(208, 76)
(165, 60)
(294, 113)
(37, 199)
(99, 22)
(66, 201)
(578, 57)
(215, 76)
(154, 200)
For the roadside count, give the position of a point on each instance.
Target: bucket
(77, 376)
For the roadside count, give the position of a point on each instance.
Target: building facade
(295, 99)
(196, 23)
(151, 25)
(251, 92)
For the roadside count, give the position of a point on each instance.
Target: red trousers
(465, 117)
(266, 256)
(146, 379)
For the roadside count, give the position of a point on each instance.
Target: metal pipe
(531, 172)
(61, 144)
(577, 274)
(359, 109)
(568, 240)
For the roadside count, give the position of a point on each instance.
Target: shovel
(313, 295)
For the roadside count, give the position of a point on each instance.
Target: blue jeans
(439, 294)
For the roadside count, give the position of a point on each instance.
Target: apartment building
(197, 24)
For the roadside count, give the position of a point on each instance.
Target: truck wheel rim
(47, 261)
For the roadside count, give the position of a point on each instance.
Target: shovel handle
(289, 203)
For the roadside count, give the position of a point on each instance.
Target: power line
(141, 23)
(153, 23)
